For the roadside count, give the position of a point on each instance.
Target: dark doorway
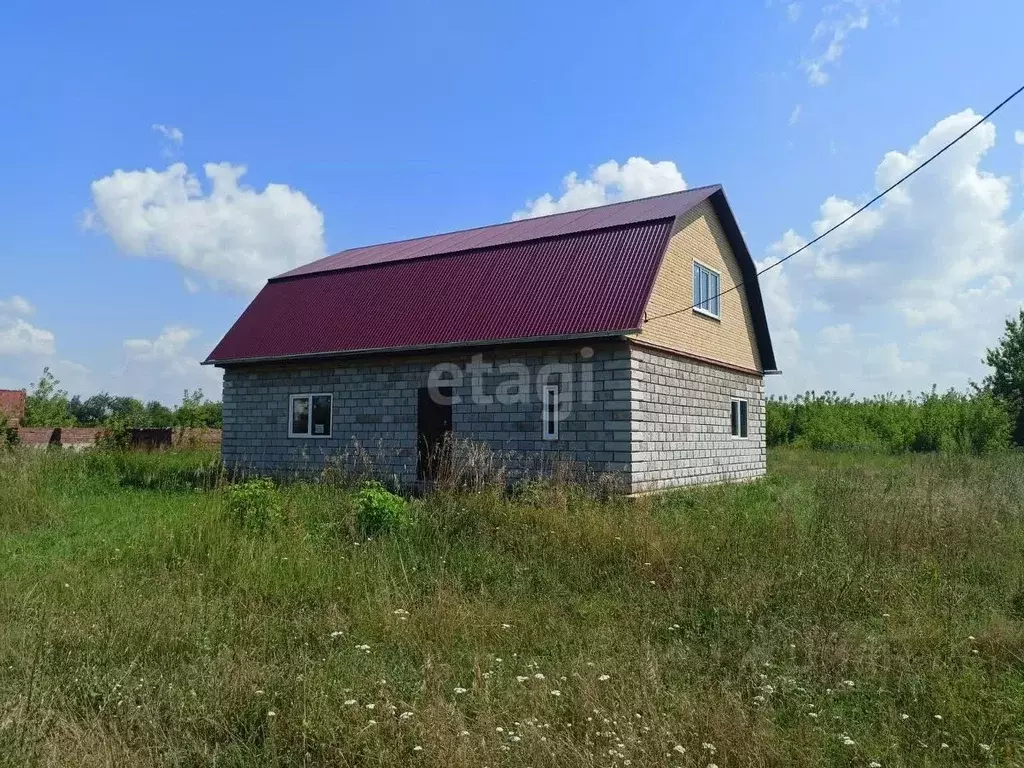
(433, 429)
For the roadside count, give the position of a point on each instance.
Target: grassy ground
(846, 611)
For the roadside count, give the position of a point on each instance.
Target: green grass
(824, 616)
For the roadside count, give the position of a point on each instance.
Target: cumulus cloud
(830, 35)
(794, 116)
(231, 236)
(1018, 136)
(19, 337)
(163, 366)
(608, 183)
(911, 291)
(793, 11)
(16, 305)
(169, 132)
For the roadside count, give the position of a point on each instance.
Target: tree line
(47, 405)
(987, 418)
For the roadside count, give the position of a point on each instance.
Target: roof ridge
(460, 251)
(512, 221)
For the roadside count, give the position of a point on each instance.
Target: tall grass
(951, 423)
(829, 615)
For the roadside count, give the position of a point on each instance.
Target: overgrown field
(847, 610)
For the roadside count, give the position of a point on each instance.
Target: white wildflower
(405, 716)
(459, 691)
(350, 702)
(556, 693)
(417, 748)
(680, 749)
(370, 706)
(271, 713)
(985, 747)
(602, 678)
(539, 676)
(709, 747)
(521, 678)
(337, 633)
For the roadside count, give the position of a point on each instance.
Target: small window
(310, 416)
(739, 418)
(705, 289)
(551, 412)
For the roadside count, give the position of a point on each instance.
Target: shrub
(379, 510)
(255, 505)
(947, 423)
(116, 435)
(8, 433)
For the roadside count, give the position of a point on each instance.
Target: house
(629, 338)
(12, 405)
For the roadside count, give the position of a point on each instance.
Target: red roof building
(662, 292)
(12, 405)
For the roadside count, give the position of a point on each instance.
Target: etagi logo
(515, 383)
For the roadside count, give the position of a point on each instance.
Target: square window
(738, 418)
(310, 415)
(706, 289)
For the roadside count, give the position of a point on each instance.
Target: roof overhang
(485, 343)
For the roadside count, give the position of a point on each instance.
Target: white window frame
(550, 398)
(740, 430)
(308, 397)
(718, 298)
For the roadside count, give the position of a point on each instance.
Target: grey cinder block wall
(653, 419)
(680, 422)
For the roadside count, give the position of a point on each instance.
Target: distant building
(629, 338)
(12, 405)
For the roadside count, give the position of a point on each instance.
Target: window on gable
(550, 412)
(705, 289)
(310, 415)
(739, 418)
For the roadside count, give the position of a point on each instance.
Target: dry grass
(824, 616)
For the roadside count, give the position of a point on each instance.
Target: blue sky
(384, 121)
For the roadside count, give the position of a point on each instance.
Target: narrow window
(551, 412)
(310, 415)
(739, 418)
(706, 287)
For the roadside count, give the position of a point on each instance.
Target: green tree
(1006, 381)
(196, 411)
(47, 405)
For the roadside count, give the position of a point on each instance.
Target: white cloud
(794, 116)
(232, 236)
(169, 132)
(830, 35)
(793, 11)
(608, 183)
(1018, 136)
(16, 305)
(914, 288)
(164, 366)
(18, 337)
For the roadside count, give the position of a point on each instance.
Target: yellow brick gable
(698, 235)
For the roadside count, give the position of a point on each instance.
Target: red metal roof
(588, 283)
(579, 273)
(568, 223)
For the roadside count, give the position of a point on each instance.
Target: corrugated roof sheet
(570, 222)
(587, 283)
(578, 273)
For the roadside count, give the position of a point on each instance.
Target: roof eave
(750, 282)
(417, 348)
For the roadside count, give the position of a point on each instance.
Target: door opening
(434, 429)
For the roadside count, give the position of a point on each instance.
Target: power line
(860, 210)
